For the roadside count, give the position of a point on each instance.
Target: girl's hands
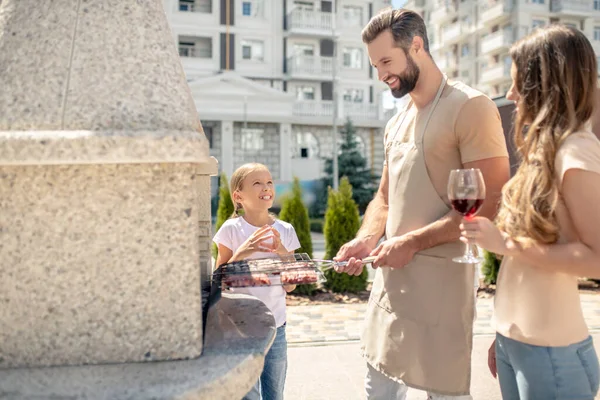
(265, 239)
(482, 232)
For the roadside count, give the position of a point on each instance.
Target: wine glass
(466, 191)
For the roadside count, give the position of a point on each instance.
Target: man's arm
(496, 172)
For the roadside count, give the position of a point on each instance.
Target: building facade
(268, 76)
(470, 39)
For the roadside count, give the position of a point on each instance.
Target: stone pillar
(285, 152)
(226, 160)
(104, 186)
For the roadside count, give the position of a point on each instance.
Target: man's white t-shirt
(233, 233)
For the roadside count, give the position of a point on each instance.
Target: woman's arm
(581, 192)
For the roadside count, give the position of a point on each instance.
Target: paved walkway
(343, 322)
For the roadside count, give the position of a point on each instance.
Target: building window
(186, 5)
(597, 33)
(353, 15)
(305, 93)
(353, 95)
(202, 6)
(596, 4)
(538, 1)
(253, 50)
(253, 139)
(353, 58)
(306, 146)
(537, 23)
(464, 50)
(252, 8)
(304, 5)
(195, 47)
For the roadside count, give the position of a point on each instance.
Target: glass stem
(470, 253)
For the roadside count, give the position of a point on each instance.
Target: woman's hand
(482, 232)
(492, 359)
(263, 240)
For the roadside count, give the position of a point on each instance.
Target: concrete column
(285, 151)
(103, 184)
(226, 160)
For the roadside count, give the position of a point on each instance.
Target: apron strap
(419, 140)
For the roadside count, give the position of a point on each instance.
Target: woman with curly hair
(548, 226)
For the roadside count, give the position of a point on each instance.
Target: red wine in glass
(466, 191)
(467, 207)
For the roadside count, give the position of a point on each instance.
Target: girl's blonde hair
(556, 81)
(237, 179)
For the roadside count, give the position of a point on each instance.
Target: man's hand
(353, 252)
(395, 252)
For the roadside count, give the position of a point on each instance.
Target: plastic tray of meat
(292, 269)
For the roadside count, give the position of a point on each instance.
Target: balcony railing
(443, 11)
(313, 108)
(360, 111)
(497, 41)
(495, 73)
(454, 32)
(572, 6)
(300, 19)
(310, 65)
(493, 10)
(324, 109)
(194, 52)
(447, 63)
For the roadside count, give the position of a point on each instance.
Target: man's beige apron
(419, 320)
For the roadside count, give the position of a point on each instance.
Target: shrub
(490, 267)
(295, 212)
(225, 208)
(341, 224)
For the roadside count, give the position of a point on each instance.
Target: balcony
(310, 67)
(466, 63)
(443, 11)
(313, 108)
(495, 74)
(493, 11)
(497, 42)
(447, 63)
(580, 8)
(360, 111)
(454, 32)
(324, 109)
(414, 4)
(195, 52)
(310, 22)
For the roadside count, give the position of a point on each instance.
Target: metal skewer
(333, 263)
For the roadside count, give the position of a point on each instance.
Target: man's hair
(403, 24)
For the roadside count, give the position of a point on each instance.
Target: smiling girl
(258, 234)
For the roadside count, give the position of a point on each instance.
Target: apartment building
(268, 76)
(470, 39)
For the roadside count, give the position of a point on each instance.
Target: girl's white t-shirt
(233, 233)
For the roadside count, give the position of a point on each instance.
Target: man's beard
(408, 79)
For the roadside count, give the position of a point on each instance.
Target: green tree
(295, 212)
(353, 164)
(341, 224)
(225, 208)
